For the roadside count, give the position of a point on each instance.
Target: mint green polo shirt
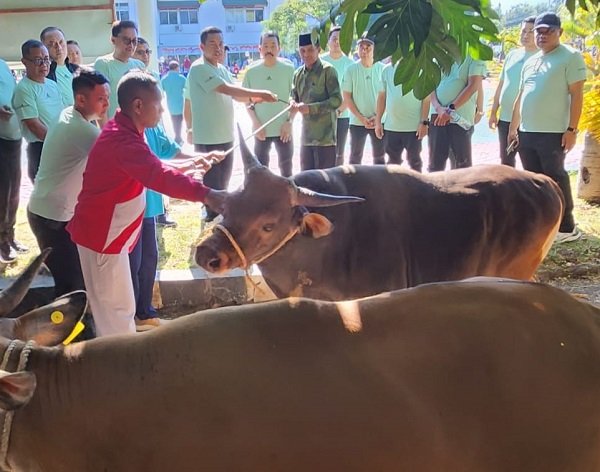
(511, 77)
(173, 84)
(277, 79)
(212, 112)
(402, 112)
(545, 80)
(64, 80)
(113, 70)
(364, 84)
(340, 65)
(452, 85)
(9, 129)
(35, 100)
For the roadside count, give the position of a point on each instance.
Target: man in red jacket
(110, 207)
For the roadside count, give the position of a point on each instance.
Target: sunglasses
(128, 41)
(38, 61)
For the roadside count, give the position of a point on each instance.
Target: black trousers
(285, 151)
(506, 159)
(317, 157)
(34, 154)
(63, 261)
(10, 184)
(358, 138)
(397, 141)
(343, 124)
(219, 175)
(543, 153)
(177, 121)
(442, 140)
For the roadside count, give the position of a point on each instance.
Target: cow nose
(215, 263)
(210, 259)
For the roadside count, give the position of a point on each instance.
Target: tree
(294, 17)
(423, 37)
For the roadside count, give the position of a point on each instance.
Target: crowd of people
(100, 158)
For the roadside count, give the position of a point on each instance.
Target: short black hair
(529, 19)
(333, 30)
(118, 26)
(49, 29)
(209, 30)
(142, 41)
(72, 41)
(130, 86)
(86, 78)
(30, 44)
(269, 34)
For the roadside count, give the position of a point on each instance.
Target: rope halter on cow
(6, 417)
(245, 263)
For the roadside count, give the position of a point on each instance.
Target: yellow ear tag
(78, 329)
(57, 317)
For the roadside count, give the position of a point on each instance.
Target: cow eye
(268, 227)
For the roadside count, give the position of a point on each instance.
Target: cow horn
(249, 159)
(12, 295)
(306, 197)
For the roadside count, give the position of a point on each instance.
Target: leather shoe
(7, 254)
(19, 247)
(163, 220)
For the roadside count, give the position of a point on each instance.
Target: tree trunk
(588, 185)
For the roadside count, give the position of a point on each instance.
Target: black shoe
(19, 247)
(163, 220)
(7, 253)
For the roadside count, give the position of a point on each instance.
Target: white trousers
(110, 291)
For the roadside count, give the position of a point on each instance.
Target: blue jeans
(143, 261)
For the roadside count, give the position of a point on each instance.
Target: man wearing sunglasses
(37, 101)
(124, 37)
(547, 111)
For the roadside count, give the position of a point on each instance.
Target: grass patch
(570, 260)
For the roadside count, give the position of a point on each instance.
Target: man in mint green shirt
(61, 70)
(453, 109)
(116, 64)
(37, 101)
(10, 166)
(406, 121)
(340, 63)
(173, 85)
(360, 87)
(547, 111)
(208, 107)
(508, 89)
(274, 74)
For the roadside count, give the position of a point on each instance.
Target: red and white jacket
(110, 208)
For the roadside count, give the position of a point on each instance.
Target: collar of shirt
(124, 122)
(317, 67)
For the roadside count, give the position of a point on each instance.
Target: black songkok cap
(305, 40)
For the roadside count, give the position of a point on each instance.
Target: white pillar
(147, 14)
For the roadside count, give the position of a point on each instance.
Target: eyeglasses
(546, 31)
(38, 61)
(128, 41)
(144, 51)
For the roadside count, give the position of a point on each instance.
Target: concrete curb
(186, 289)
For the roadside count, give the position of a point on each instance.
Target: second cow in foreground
(474, 376)
(312, 237)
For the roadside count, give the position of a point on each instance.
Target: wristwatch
(452, 107)
(570, 129)
(425, 122)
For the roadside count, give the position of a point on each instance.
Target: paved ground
(485, 149)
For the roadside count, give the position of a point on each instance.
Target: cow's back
(414, 228)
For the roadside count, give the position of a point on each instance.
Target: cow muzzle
(212, 260)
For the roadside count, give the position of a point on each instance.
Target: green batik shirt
(319, 88)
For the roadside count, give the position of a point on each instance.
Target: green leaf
(418, 19)
(362, 21)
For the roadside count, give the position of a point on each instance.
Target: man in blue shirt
(173, 84)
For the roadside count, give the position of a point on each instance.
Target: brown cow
(410, 229)
(475, 376)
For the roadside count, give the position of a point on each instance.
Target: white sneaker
(567, 237)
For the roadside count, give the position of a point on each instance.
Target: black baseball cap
(547, 20)
(365, 39)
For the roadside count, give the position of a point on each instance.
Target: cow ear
(52, 324)
(16, 389)
(316, 225)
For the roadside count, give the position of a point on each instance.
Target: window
(168, 17)
(122, 11)
(188, 17)
(244, 15)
